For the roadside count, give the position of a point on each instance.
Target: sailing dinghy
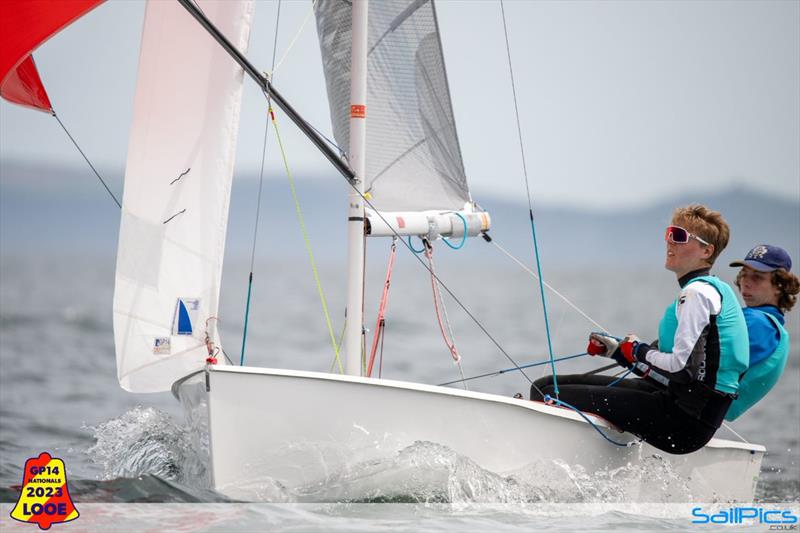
(390, 106)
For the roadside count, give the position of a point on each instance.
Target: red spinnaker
(24, 25)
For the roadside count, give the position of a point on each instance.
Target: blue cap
(766, 258)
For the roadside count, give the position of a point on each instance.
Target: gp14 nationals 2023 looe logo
(44, 499)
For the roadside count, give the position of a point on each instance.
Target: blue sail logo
(185, 316)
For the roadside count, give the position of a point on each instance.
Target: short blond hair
(706, 224)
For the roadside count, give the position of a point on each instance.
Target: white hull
(297, 430)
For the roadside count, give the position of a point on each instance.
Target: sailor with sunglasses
(700, 355)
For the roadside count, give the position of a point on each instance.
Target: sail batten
(176, 195)
(414, 161)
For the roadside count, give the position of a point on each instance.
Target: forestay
(413, 157)
(177, 190)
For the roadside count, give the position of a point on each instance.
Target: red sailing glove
(628, 348)
(632, 350)
(602, 344)
(595, 347)
(624, 351)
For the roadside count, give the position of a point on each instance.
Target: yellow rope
(339, 344)
(307, 241)
(294, 39)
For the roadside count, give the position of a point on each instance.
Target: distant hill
(53, 209)
(634, 234)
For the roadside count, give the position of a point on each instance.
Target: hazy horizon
(75, 213)
(81, 178)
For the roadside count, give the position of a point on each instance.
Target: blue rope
(411, 246)
(246, 318)
(606, 334)
(342, 153)
(258, 202)
(530, 203)
(623, 376)
(463, 239)
(545, 362)
(499, 372)
(544, 307)
(548, 398)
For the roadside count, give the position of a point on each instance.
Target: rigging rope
(549, 399)
(260, 188)
(342, 152)
(380, 361)
(411, 247)
(437, 302)
(530, 207)
(455, 298)
(307, 241)
(339, 343)
(275, 68)
(529, 365)
(552, 289)
(380, 324)
(294, 39)
(87, 160)
(463, 239)
(729, 428)
(623, 376)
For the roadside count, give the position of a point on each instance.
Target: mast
(355, 209)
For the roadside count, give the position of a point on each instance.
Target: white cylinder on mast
(355, 209)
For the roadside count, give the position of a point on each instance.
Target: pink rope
(380, 323)
(437, 299)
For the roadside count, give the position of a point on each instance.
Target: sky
(621, 103)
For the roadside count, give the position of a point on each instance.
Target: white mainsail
(177, 191)
(414, 161)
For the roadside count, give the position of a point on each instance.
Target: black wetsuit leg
(545, 384)
(641, 408)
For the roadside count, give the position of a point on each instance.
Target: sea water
(59, 393)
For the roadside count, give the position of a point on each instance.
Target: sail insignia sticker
(186, 310)
(161, 346)
(44, 499)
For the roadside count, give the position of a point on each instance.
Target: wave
(146, 456)
(146, 441)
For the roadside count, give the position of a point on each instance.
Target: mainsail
(413, 157)
(177, 191)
